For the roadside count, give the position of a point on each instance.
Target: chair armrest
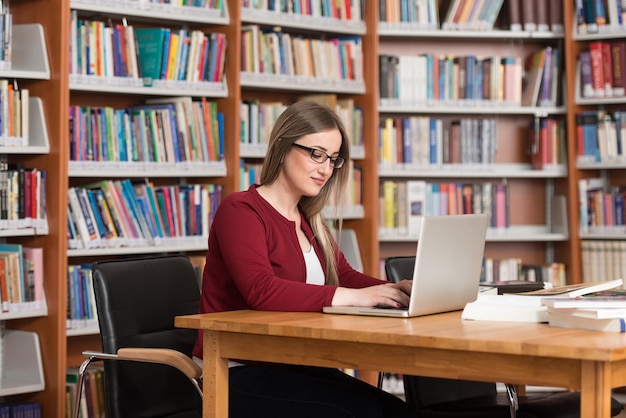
(167, 356)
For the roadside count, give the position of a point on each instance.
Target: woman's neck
(283, 202)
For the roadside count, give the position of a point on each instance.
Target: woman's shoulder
(240, 199)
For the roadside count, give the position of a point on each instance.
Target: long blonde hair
(298, 120)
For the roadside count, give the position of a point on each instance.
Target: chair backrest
(422, 391)
(137, 300)
(399, 268)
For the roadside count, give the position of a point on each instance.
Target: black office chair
(148, 370)
(448, 398)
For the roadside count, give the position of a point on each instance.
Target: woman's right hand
(395, 295)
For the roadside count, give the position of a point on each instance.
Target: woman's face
(303, 175)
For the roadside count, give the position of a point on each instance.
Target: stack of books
(531, 306)
(599, 311)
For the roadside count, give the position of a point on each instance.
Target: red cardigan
(255, 261)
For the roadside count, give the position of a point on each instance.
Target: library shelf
(302, 22)
(147, 169)
(22, 368)
(407, 30)
(468, 108)
(30, 58)
(153, 12)
(496, 170)
(164, 246)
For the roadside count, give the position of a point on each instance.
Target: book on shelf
(618, 67)
(20, 409)
(542, 14)
(529, 15)
(586, 78)
(598, 77)
(534, 73)
(514, 15)
(556, 16)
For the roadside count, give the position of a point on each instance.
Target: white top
(314, 271)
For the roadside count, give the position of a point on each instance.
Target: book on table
(577, 289)
(528, 306)
(597, 313)
(557, 319)
(590, 301)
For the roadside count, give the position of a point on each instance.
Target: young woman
(270, 249)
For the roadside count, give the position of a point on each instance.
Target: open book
(528, 306)
(578, 289)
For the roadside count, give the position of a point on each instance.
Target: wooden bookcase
(60, 351)
(611, 171)
(538, 230)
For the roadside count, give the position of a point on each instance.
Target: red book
(618, 61)
(597, 68)
(607, 68)
(580, 134)
(4, 286)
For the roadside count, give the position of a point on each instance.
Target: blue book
(121, 134)
(478, 85)
(184, 53)
(407, 151)
(590, 134)
(430, 76)
(145, 209)
(165, 54)
(433, 143)
(470, 77)
(136, 213)
(220, 125)
(95, 209)
(150, 193)
(442, 78)
(86, 302)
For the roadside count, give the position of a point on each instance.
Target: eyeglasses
(320, 156)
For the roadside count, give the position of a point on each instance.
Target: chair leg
(381, 377)
(79, 388)
(513, 401)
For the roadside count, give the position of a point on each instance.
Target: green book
(150, 44)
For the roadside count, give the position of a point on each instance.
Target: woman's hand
(395, 295)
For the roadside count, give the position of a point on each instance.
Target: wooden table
(441, 345)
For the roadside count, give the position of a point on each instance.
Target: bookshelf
(119, 95)
(285, 88)
(591, 241)
(536, 229)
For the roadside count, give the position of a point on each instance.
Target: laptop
(447, 268)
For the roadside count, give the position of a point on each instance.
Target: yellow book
(172, 57)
